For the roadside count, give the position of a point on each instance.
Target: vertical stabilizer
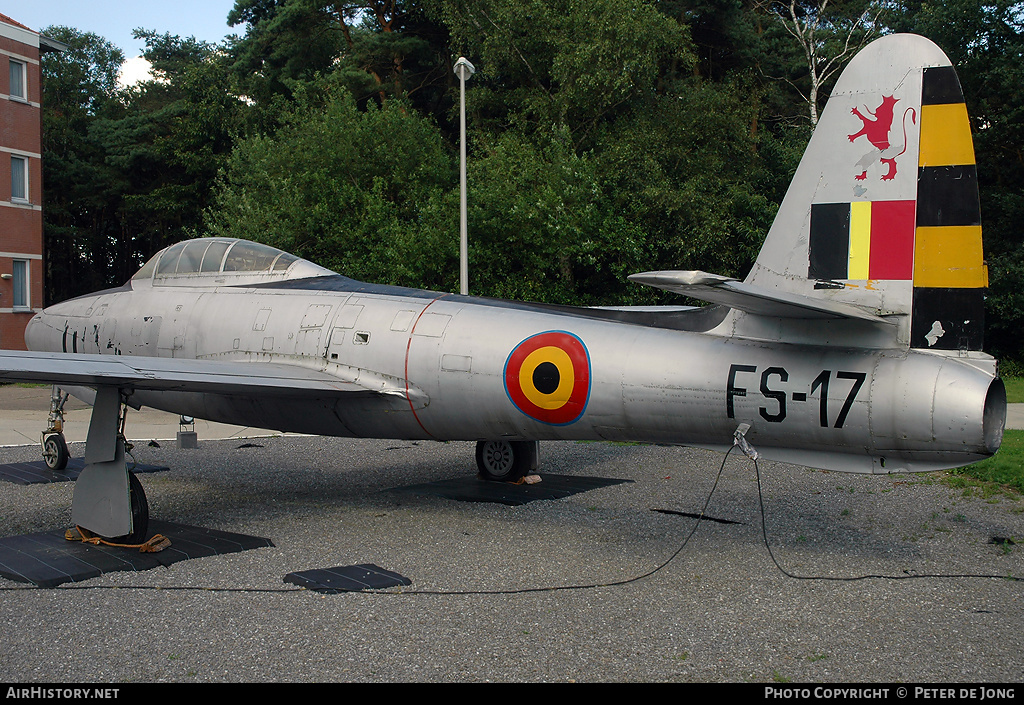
(883, 211)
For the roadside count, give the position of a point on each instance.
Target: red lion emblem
(876, 128)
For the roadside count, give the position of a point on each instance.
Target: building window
(19, 178)
(18, 80)
(20, 282)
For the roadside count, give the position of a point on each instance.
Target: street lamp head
(464, 69)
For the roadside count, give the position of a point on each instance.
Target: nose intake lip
(34, 333)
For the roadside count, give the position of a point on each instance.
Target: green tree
(128, 170)
(828, 36)
(599, 151)
(176, 133)
(541, 228)
(562, 65)
(379, 48)
(726, 35)
(368, 193)
(80, 87)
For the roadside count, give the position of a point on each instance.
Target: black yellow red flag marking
(547, 377)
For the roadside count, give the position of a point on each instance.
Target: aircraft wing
(177, 374)
(753, 299)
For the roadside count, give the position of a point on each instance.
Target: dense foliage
(605, 137)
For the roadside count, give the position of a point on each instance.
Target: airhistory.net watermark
(49, 693)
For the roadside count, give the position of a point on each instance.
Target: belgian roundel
(547, 377)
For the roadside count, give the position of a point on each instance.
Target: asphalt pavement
(875, 579)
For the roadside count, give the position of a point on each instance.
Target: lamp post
(463, 69)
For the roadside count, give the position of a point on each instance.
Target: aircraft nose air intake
(35, 333)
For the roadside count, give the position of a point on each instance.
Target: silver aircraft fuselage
(448, 367)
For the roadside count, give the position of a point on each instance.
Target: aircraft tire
(55, 452)
(501, 461)
(140, 514)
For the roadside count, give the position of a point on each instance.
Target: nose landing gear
(55, 448)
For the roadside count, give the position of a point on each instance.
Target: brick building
(21, 179)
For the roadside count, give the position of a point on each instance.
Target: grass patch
(1005, 468)
(1014, 389)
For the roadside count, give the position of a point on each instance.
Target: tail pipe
(994, 415)
(936, 411)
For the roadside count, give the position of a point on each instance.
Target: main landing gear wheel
(55, 452)
(502, 461)
(140, 514)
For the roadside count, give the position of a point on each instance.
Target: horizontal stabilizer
(754, 299)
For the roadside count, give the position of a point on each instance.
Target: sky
(114, 20)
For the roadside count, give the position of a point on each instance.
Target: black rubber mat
(349, 578)
(48, 559)
(474, 489)
(36, 471)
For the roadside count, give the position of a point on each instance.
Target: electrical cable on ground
(906, 576)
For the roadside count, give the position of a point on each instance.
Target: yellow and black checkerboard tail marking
(949, 267)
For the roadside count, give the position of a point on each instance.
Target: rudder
(949, 265)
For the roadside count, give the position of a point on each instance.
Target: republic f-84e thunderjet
(854, 344)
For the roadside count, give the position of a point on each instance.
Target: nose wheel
(55, 452)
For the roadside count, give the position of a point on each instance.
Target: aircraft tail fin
(883, 213)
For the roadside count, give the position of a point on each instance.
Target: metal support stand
(101, 501)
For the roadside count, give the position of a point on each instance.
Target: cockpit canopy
(223, 262)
